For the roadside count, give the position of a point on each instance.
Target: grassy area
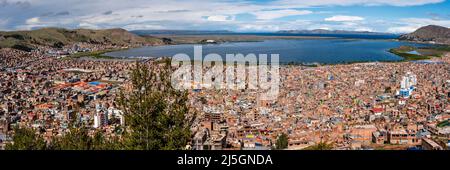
(443, 123)
(95, 54)
(424, 52)
(443, 48)
(436, 51)
(408, 56)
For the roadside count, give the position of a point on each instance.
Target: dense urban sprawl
(353, 106)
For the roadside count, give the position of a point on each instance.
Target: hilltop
(58, 37)
(431, 33)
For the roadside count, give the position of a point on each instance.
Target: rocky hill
(430, 33)
(60, 37)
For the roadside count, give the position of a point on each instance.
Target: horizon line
(200, 30)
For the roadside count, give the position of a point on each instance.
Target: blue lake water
(327, 51)
(413, 52)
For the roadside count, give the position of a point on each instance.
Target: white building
(408, 80)
(100, 116)
(407, 85)
(97, 120)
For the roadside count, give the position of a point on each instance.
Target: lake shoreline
(311, 64)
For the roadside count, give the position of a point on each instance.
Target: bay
(325, 51)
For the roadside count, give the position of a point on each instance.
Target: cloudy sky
(395, 16)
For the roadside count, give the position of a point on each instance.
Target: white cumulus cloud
(364, 29)
(408, 25)
(273, 14)
(220, 18)
(402, 29)
(344, 18)
(34, 20)
(195, 14)
(309, 3)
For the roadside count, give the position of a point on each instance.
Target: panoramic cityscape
(347, 75)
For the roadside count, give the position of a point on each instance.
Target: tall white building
(97, 120)
(407, 84)
(100, 116)
(408, 80)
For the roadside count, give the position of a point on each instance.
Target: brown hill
(430, 33)
(60, 36)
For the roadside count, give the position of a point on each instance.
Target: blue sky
(395, 16)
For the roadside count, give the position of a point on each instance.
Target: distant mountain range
(179, 32)
(211, 32)
(324, 31)
(430, 33)
(58, 37)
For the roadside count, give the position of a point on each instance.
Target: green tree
(79, 139)
(100, 142)
(75, 139)
(155, 112)
(388, 89)
(282, 142)
(26, 139)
